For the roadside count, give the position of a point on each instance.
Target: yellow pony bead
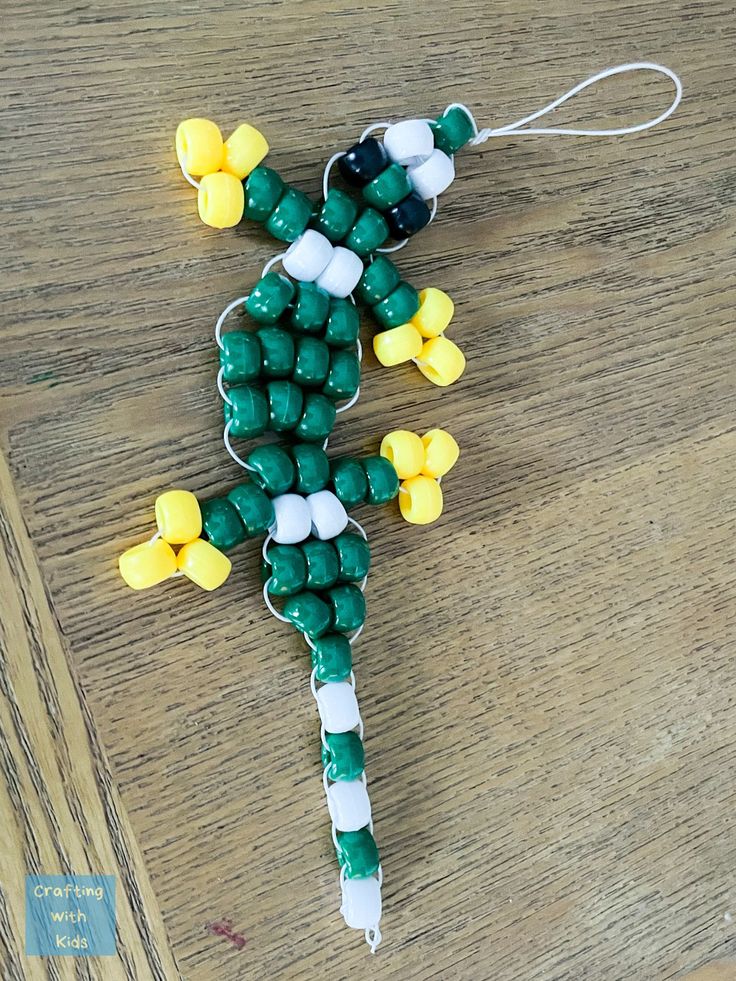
(178, 517)
(434, 313)
(405, 450)
(397, 345)
(221, 200)
(244, 150)
(420, 500)
(147, 564)
(441, 361)
(199, 146)
(204, 564)
(440, 453)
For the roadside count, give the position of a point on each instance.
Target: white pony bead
(433, 176)
(342, 273)
(308, 256)
(408, 143)
(293, 519)
(361, 903)
(329, 517)
(338, 706)
(349, 805)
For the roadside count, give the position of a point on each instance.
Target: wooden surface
(547, 675)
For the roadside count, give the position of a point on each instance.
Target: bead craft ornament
(291, 367)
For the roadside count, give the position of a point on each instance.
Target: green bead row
(308, 309)
(282, 407)
(341, 609)
(392, 301)
(245, 512)
(372, 479)
(316, 565)
(284, 210)
(274, 353)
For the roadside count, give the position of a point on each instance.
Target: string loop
(518, 128)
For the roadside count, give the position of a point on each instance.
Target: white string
(516, 128)
(350, 404)
(231, 451)
(373, 126)
(223, 315)
(271, 263)
(395, 248)
(360, 527)
(220, 387)
(269, 604)
(326, 176)
(187, 175)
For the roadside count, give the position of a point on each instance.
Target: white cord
(222, 317)
(231, 451)
(271, 263)
(270, 605)
(395, 248)
(326, 176)
(221, 389)
(187, 175)
(350, 404)
(373, 126)
(360, 527)
(516, 128)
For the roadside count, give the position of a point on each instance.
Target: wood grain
(547, 674)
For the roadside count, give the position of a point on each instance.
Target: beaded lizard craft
(289, 375)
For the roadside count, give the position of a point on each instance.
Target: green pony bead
(348, 607)
(312, 468)
(368, 233)
(357, 853)
(269, 298)
(311, 307)
(349, 481)
(353, 555)
(247, 411)
(337, 215)
(343, 324)
(263, 188)
(273, 469)
(332, 657)
(344, 375)
(277, 352)
(452, 131)
(309, 614)
(379, 278)
(291, 215)
(343, 757)
(240, 357)
(285, 405)
(322, 564)
(382, 479)
(221, 523)
(312, 362)
(285, 571)
(398, 307)
(391, 186)
(254, 508)
(317, 419)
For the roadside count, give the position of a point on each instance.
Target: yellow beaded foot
(221, 200)
(204, 564)
(405, 450)
(440, 453)
(420, 500)
(397, 345)
(147, 564)
(244, 150)
(434, 313)
(441, 361)
(178, 517)
(199, 147)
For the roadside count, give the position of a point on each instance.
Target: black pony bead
(363, 162)
(407, 217)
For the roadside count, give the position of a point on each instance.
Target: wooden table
(547, 674)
